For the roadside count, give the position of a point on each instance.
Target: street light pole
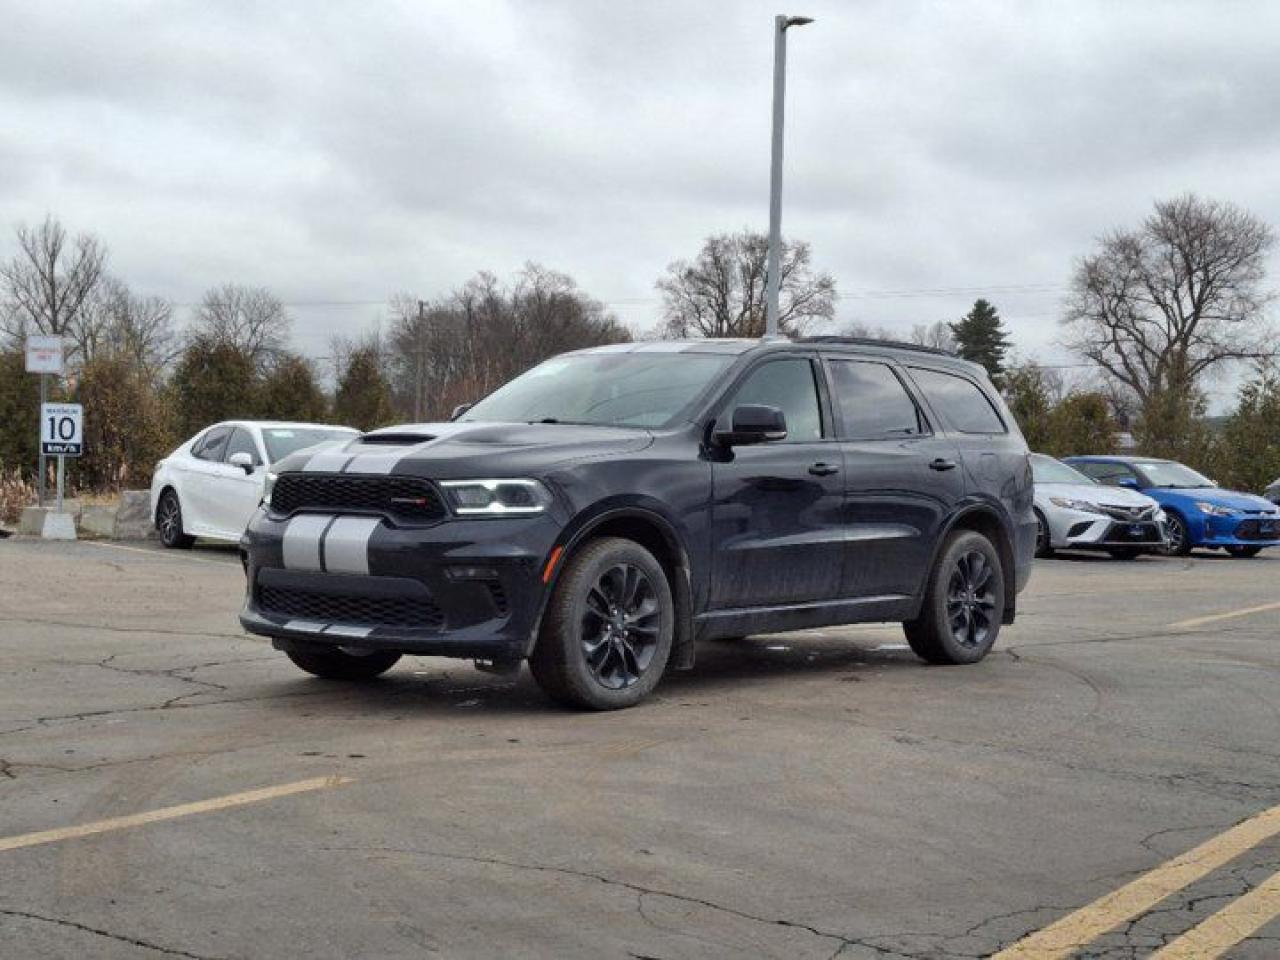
(780, 25)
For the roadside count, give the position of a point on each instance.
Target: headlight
(496, 498)
(1068, 503)
(1214, 510)
(268, 484)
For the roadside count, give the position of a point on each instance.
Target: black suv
(605, 511)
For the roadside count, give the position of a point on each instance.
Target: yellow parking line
(1230, 615)
(1065, 936)
(170, 813)
(1237, 921)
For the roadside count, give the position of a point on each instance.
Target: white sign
(61, 429)
(44, 355)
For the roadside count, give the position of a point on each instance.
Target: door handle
(942, 464)
(823, 469)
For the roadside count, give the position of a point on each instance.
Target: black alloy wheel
(608, 629)
(620, 626)
(169, 523)
(963, 604)
(1179, 543)
(971, 601)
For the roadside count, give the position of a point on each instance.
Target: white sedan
(211, 485)
(1076, 512)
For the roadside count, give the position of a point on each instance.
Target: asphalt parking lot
(172, 787)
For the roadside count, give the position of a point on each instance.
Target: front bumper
(458, 588)
(1082, 530)
(1257, 531)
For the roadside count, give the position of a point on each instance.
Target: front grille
(1122, 533)
(1128, 513)
(1258, 530)
(404, 498)
(419, 613)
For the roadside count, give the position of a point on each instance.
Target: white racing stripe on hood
(346, 545)
(386, 460)
(327, 461)
(301, 547)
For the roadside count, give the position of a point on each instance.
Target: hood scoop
(397, 438)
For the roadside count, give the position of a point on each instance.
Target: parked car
(211, 485)
(604, 511)
(1272, 492)
(1198, 512)
(1077, 513)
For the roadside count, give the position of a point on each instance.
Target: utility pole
(780, 25)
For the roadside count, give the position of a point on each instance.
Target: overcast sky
(343, 152)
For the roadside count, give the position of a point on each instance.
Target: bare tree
(1161, 306)
(128, 327)
(251, 319)
(722, 292)
(937, 335)
(48, 283)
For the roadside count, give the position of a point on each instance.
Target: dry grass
(15, 493)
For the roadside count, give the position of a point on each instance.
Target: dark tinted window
(213, 444)
(242, 442)
(1106, 472)
(789, 386)
(963, 404)
(873, 402)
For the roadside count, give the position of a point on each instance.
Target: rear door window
(873, 403)
(959, 400)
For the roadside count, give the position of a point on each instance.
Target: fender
(650, 511)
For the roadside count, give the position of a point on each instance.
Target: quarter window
(788, 385)
(960, 401)
(873, 403)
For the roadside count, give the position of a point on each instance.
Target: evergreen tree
(290, 391)
(214, 381)
(980, 336)
(363, 399)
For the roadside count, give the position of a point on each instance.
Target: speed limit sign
(61, 429)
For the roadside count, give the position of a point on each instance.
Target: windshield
(622, 389)
(1165, 473)
(282, 441)
(1048, 470)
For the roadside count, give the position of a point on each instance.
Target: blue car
(1198, 512)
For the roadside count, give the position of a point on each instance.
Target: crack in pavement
(99, 932)
(157, 631)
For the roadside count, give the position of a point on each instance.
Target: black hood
(469, 450)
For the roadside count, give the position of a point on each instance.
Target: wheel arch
(656, 534)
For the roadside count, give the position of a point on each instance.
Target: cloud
(343, 152)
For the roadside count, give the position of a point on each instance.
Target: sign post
(44, 357)
(61, 435)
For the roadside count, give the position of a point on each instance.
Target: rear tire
(338, 665)
(963, 603)
(169, 523)
(1243, 553)
(1125, 553)
(608, 629)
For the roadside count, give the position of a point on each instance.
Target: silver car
(1075, 512)
(1272, 492)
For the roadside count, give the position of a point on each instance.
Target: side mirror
(241, 460)
(1129, 482)
(754, 423)
(460, 409)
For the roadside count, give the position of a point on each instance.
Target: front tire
(338, 665)
(169, 523)
(1044, 542)
(963, 604)
(608, 630)
(1179, 539)
(1243, 553)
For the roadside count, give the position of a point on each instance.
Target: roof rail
(873, 342)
